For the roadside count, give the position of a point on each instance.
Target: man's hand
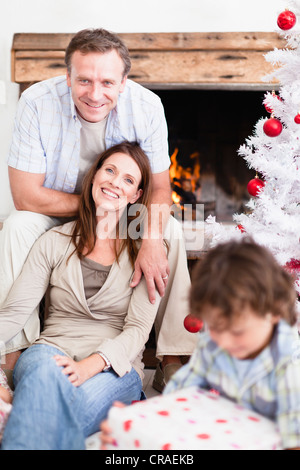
(152, 262)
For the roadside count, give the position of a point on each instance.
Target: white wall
(43, 16)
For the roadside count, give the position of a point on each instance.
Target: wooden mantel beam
(160, 59)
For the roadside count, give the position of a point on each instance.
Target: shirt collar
(73, 109)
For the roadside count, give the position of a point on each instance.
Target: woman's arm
(122, 350)
(28, 290)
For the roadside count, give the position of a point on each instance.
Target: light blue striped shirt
(46, 137)
(270, 385)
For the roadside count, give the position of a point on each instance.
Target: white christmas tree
(273, 219)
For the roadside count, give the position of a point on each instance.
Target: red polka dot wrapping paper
(191, 419)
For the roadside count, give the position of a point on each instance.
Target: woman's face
(116, 183)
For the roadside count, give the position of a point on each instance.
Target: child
(5, 401)
(249, 352)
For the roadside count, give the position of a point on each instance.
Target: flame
(178, 174)
(175, 197)
(174, 165)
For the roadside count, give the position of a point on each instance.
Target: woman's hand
(79, 372)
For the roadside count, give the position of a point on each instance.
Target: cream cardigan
(116, 321)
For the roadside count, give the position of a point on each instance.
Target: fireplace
(206, 128)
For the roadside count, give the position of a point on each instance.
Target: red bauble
(286, 20)
(272, 127)
(192, 324)
(254, 186)
(293, 265)
(297, 119)
(267, 107)
(240, 227)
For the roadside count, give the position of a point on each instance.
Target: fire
(174, 168)
(175, 198)
(184, 179)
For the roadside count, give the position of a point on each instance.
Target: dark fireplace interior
(206, 128)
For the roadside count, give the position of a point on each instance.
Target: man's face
(96, 80)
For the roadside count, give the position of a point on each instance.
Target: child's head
(240, 292)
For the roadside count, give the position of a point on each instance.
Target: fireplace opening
(206, 128)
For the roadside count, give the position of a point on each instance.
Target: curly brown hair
(239, 274)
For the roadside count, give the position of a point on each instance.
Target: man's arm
(160, 203)
(152, 259)
(29, 194)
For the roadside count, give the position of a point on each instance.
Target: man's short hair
(97, 40)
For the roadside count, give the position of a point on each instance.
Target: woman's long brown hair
(84, 233)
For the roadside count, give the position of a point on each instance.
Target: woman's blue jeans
(49, 413)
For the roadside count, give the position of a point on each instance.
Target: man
(62, 124)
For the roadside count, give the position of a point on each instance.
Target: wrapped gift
(191, 419)
(5, 409)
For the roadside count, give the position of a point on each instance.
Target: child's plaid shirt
(271, 385)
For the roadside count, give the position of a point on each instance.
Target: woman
(90, 351)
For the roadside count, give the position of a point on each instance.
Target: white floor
(93, 442)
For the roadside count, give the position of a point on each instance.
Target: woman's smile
(109, 193)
